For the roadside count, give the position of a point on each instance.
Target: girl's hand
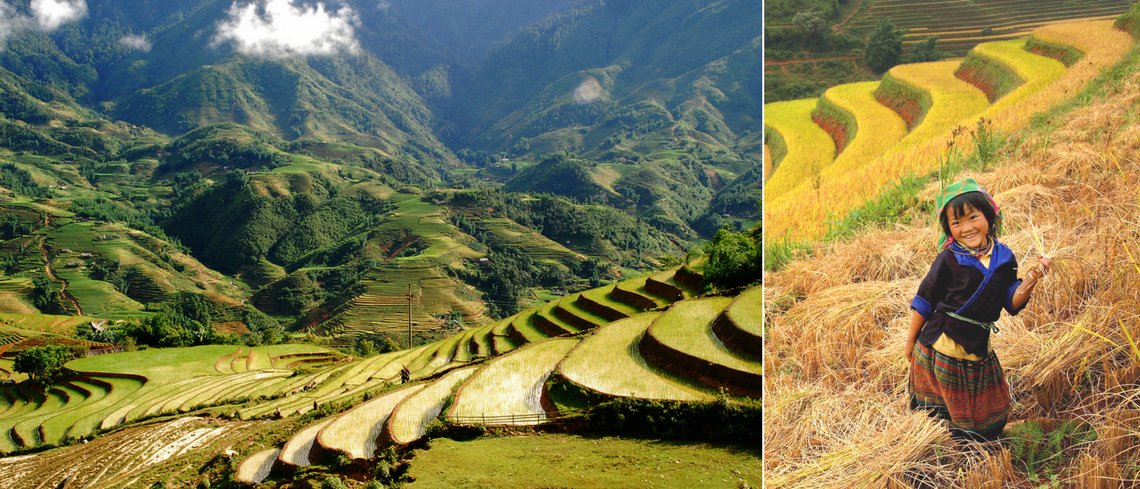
(909, 352)
(1042, 267)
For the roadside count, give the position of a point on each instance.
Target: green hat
(955, 189)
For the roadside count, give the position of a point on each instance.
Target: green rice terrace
(646, 344)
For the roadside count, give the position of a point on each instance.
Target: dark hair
(973, 199)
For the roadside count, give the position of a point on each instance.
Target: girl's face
(968, 228)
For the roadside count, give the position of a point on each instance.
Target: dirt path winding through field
(51, 274)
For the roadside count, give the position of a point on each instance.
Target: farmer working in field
(953, 370)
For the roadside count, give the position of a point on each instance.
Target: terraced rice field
(509, 389)
(601, 302)
(44, 323)
(357, 431)
(255, 469)
(110, 461)
(682, 341)
(410, 418)
(636, 287)
(610, 363)
(803, 212)
(878, 127)
(529, 242)
(296, 451)
(1036, 72)
(959, 23)
(743, 332)
(383, 306)
(808, 148)
(952, 100)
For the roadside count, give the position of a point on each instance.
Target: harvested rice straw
(1109, 461)
(850, 439)
(881, 256)
(827, 332)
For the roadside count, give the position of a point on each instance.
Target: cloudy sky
(262, 28)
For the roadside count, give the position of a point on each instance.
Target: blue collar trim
(1000, 256)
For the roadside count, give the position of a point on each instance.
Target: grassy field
(581, 462)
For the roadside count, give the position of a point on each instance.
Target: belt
(988, 326)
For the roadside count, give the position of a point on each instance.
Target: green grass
(581, 462)
(609, 362)
(159, 365)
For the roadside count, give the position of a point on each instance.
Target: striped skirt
(972, 396)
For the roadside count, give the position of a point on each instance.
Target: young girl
(953, 371)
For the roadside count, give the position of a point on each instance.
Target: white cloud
(50, 14)
(588, 91)
(45, 15)
(277, 29)
(135, 42)
(11, 21)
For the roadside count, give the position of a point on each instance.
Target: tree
(734, 259)
(812, 25)
(925, 51)
(45, 363)
(884, 47)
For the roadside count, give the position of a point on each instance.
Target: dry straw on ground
(835, 411)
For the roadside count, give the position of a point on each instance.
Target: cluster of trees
(47, 295)
(188, 320)
(44, 364)
(17, 136)
(230, 225)
(20, 181)
(507, 277)
(225, 152)
(594, 229)
(735, 259)
(19, 106)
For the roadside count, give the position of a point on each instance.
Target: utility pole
(410, 297)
